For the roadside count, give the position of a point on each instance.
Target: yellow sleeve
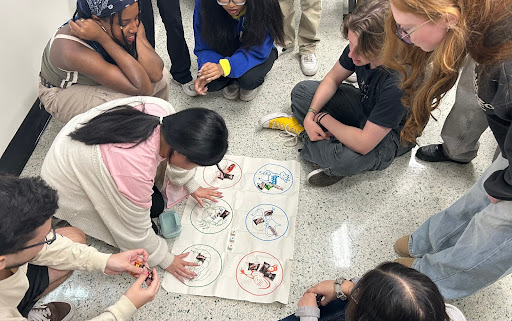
(224, 63)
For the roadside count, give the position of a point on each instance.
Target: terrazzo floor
(342, 230)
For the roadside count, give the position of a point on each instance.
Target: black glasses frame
(46, 241)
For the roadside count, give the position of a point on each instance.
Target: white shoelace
(309, 58)
(290, 138)
(41, 313)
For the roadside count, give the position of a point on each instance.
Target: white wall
(26, 27)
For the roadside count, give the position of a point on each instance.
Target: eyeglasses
(235, 2)
(405, 35)
(46, 241)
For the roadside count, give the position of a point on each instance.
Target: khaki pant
(308, 25)
(65, 104)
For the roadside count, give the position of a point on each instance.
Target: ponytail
(121, 124)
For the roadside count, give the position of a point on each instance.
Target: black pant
(176, 44)
(252, 79)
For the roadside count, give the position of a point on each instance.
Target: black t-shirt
(380, 95)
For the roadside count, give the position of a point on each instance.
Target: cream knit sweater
(89, 198)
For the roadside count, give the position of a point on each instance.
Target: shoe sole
(323, 182)
(230, 97)
(190, 94)
(250, 97)
(269, 117)
(309, 72)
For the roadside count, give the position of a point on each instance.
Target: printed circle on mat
(212, 218)
(232, 174)
(273, 179)
(259, 273)
(267, 222)
(210, 264)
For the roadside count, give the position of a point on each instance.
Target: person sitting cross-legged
(348, 130)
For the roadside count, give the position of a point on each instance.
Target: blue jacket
(242, 59)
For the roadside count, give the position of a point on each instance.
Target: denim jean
(331, 154)
(468, 246)
(335, 310)
(466, 121)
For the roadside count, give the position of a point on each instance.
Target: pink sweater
(134, 169)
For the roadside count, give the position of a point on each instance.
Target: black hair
(25, 205)
(395, 292)
(262, 17)
(130, 48)
(199, 134)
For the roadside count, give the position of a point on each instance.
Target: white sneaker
(231, 92)
(308, 64)
(282, 50)
(248, 95)
(189, 89)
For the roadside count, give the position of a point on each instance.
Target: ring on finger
(82, 20)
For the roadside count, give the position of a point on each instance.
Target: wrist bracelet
(321, 116)
(312, 110)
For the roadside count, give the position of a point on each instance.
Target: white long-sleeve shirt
(63, 254)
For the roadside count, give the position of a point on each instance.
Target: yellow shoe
(282, 121)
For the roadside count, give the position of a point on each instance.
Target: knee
(304, 89)
(72, 233)
(249, 82)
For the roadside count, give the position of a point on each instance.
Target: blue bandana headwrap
(102, 8)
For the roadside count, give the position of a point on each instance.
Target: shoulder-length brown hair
(367, 23)
(483, 31)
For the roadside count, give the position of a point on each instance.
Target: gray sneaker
(231, 92)
(319, 178)
(248, 95)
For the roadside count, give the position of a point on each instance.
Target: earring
(121, 27)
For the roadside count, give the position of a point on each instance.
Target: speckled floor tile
(344, 229)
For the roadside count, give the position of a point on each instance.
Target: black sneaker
(318, 177)
(53, 311)
(434, 153)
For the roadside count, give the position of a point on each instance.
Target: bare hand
(325, 289)
(124, 262)
(206, 193)
(200, 86)
(492, 199)
(210, 71)
(87, 29)
(308, 299)
(314, 131)
(139, 295)
(178, 267)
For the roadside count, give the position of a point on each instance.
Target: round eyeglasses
(226, 2)
(405, 35)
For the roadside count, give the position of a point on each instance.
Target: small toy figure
(149, 278)
(201, 257)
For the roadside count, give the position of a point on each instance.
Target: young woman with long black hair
(100, 55)
(106, 162)
(234, 45)
(388, 292)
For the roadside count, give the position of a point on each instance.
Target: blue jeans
(335, 310)
(468, 246)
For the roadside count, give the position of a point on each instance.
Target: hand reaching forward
(206, 193)
(178, 268)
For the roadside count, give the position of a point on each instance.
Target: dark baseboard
(25, 140)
